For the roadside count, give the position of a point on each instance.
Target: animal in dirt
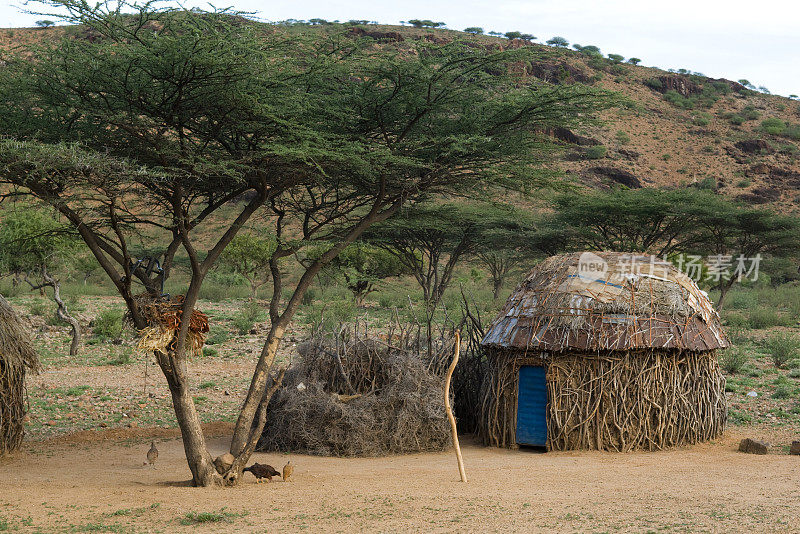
(288, 469)
(261, 471)
(152, 454)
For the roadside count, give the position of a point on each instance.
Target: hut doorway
(532, 406)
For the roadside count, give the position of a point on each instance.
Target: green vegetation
(249, 256)
(782, 348)
(557, 41)
(108, 324)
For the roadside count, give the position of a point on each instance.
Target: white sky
(755, 39)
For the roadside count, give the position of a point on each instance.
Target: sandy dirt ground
(96, 481)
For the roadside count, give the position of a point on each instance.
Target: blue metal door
(532, 406)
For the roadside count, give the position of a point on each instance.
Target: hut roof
(607, 301)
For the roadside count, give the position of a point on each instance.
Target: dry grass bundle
(16, 356)
(358, 397)
(164, 318)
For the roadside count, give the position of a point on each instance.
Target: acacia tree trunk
(61, 311)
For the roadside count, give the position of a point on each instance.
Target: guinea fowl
(261, 471)
(288, 469)
(152, 454)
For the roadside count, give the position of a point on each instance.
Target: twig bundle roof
(606, 301)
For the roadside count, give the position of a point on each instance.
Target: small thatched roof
(16, 349)
(606, 301)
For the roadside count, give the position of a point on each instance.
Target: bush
(792, 131)
(773, 126)
(749, 113)
(782, 348)
(108, 325)
(701, 119)
(595, 152)
(766, 318)
(246, 317)
(733, 360)
(622, 137)
(736, 120)
(474, 30)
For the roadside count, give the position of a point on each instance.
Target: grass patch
(198, 518)
(208, 384)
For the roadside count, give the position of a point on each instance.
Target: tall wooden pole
(450, 411)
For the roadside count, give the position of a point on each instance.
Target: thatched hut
(16, 356)
(607, 351)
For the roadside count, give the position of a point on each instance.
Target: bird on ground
(288, 469)
(261, 471)
(152, 454)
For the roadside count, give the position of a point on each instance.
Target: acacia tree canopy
(143, 125)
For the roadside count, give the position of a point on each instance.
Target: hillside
(678, 128)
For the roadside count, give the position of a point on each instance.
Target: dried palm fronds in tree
(164, 319)
(16, 357)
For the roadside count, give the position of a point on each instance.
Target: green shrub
(622, 137)
(210, 352)
(794, 373)
(792, 131)
(750, 113)
(773, 126)
(766, 318)
(595, 152)
(108, 324)
(782, 348)
(736, 120)
(742, 300)
(701, 119)
(783, 392)
(246, 317)
(733, 359)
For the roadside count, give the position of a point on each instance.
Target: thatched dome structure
(16, 356)
(608, 351)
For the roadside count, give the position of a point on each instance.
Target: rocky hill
(677, 129)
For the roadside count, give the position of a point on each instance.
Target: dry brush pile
(353, 395)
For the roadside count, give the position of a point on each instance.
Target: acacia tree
(648, 220)
(164, 116)
(33, 244)
(736, 234)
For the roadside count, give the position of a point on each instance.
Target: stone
(224, 462)
(795, 448)
(752, 446)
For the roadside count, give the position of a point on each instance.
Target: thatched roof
(16, 349)
(606, 301)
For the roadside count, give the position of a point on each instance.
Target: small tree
(33, 244)
(248, 256)
(634, 60)
(363, 266)
(616, 58)
(558, 42)
(513, 35)
(44, 24)
(474, 30)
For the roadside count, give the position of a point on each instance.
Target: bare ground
(96, 481)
